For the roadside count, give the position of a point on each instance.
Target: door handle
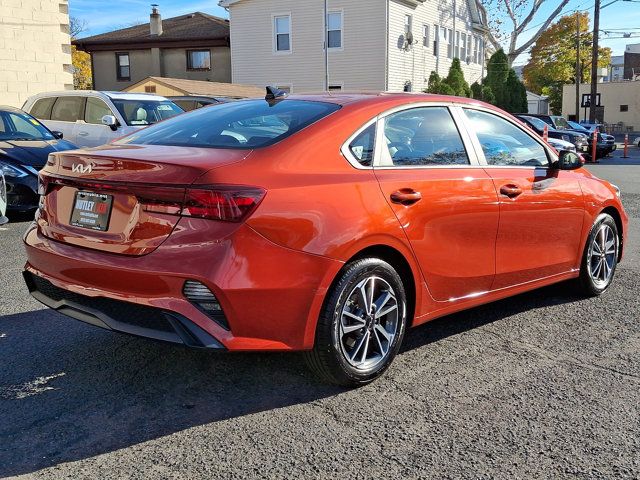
(83, 134)
(405, 196)
(510, 190)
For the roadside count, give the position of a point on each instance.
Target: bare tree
(520, 14)
(77, 26)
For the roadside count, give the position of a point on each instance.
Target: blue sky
(104, 16)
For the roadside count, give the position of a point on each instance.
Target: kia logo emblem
(79, 168)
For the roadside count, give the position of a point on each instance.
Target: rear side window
(42, 108)
(363, 145)
(95, 110)
(243, 124)
(422, 136)
(68, 109)
(505, 144)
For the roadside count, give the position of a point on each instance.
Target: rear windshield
(242, 124)
(145, 112)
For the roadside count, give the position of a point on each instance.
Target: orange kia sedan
(323, 223)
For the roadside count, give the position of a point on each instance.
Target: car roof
(386, 98)
(98, 93)
(7, 108)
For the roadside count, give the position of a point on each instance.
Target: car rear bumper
(270, 295)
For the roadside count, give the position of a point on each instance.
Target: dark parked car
(192, 102)
(555, 121)
(25, 144)
(580, 141)
(587, 129)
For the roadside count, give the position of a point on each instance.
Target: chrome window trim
(346, 151)
(551, 156)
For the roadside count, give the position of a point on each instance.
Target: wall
(104, 69)
(35, 52)
(612, 95)
(359, 65)
(415, 64)
(174, 65)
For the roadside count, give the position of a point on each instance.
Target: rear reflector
(204, 299)
(227, 203)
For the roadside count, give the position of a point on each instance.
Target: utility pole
(594, 62)
(578, 75)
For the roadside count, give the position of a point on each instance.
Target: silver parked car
(90, 118)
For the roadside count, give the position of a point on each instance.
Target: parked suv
(579, 140)
(89, 118)
(555, 121)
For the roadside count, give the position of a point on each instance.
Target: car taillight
(227, 204)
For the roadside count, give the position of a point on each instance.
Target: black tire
(329, 358)
(587, 284)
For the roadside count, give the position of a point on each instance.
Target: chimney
(155, 20)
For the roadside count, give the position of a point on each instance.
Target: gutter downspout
(386, 49)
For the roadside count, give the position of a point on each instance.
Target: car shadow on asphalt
(70, 391)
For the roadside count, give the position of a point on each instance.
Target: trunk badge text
(79, 168)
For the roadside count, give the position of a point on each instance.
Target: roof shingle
(192, 26)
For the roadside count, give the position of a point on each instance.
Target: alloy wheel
(603, 254)
(369, 323)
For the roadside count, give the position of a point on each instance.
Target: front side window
(42, 108)
(68, 109)
(123, 69)
(504, 144)
(362, 147)
(282, 29)
(241, 125)
(334, 30)
(198, 59)
(422, 136)
(95, 110)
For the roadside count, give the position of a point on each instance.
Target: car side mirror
(110, 121)
(57, 134)
(569, 161)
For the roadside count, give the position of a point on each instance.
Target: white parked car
(637, 142)
(561, 145)
(89, 118)
(3, 200)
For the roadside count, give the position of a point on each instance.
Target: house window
(624, 108)
(448, 36)
(476, 48)
(123, 69)
(334, 30)
(150, 89)
(198, 59)
(282, 29)
(436, 40)
(284, 88)
(457, 45)
(425, 36)
(463, 47)
(335, 88)
(408, 23)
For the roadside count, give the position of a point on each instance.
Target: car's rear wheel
(600, 257)
(361, 325)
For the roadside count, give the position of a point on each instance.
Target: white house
(377, 45)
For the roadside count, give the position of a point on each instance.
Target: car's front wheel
(600, 257)
(361, 325)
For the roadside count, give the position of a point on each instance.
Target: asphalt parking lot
(542, 385)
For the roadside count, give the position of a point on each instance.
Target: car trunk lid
(121, 199)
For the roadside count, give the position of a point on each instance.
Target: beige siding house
(35, 51)
(193, 46)
(373, 45)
